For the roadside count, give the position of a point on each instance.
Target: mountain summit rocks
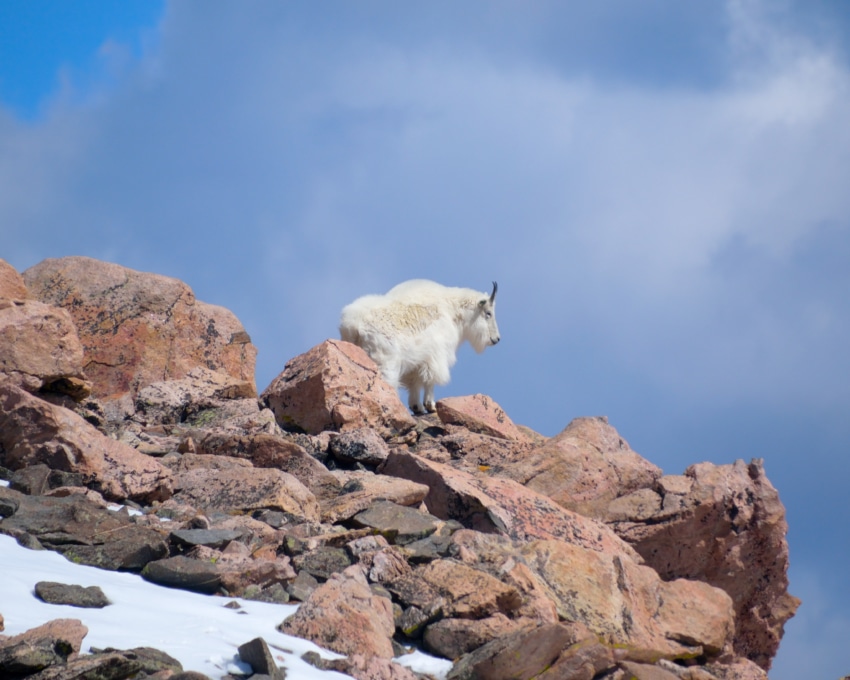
(513, 554)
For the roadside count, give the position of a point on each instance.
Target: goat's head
(484, 331)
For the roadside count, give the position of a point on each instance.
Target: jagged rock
(137, 328)
(360, 489)
(272, 451)
(584, 467)
(629, 605)
(81, 530)
(336, 386)
(479, 414)
(141, 662)
(468, 592)
(383, 565)
(40, 350)
(363, 667)
(12, 286)
(452, 638)
(91, 597)
(493, 504)
(245, 489)
(203, 398)
(33, 431)
(39, 479)
(726, 527)
(323, 562)
(551, 651)
(210, 571)
(343, 615)
(472, 452)
(302, 586)
(397, 523)
(258, 656)
(211, 538)
(54, 642)
(362, 445)
(642, 671)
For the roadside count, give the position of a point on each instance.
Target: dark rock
(212, 538)
(322, 562)
(82, 531)
(302, 586)
(397, 523)
(36, 480)
(113, 664)
(362, 446)
(91, 597)
(52, 643)
(274, 594)
(529, 653)
(184, 572)
(257, 654)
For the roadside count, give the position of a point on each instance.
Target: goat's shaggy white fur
(414, 331)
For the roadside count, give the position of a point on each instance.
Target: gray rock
(212, 538)
(257, 654)
(81, 530)
(397, 523)
(91, 597)
(302, 586)
(362, 445)
(322, 562)
(183, 572)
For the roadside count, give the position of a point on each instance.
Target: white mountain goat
(414, 331)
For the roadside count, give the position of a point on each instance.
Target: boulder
(497, 505)
(51, 592)
(137, 328)
(724, 525)
(196, 399)
(479, 414)
(399, 524)
(628, 605)
(336, 386)
(273, 451)
(452, 638)
(343, 615)
(33, 431)
(81, 530)
(40, 350)
(359, 489)
(259, 657)
(363, 667)
(54, 642)
(468, 593)
(210, 571)
(12, 286)
(245, 489)
(362, 446)
(584, 468)
(551, 651)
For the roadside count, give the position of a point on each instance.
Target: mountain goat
(414, 331)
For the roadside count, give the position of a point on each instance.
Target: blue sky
(660, 189)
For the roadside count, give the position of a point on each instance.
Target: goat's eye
(487, 315)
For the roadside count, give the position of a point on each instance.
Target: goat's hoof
(418, 410)
(430, 406)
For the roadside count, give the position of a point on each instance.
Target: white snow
(198, 630)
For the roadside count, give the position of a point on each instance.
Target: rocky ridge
(513, 554)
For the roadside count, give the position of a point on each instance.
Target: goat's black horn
(493, 294)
